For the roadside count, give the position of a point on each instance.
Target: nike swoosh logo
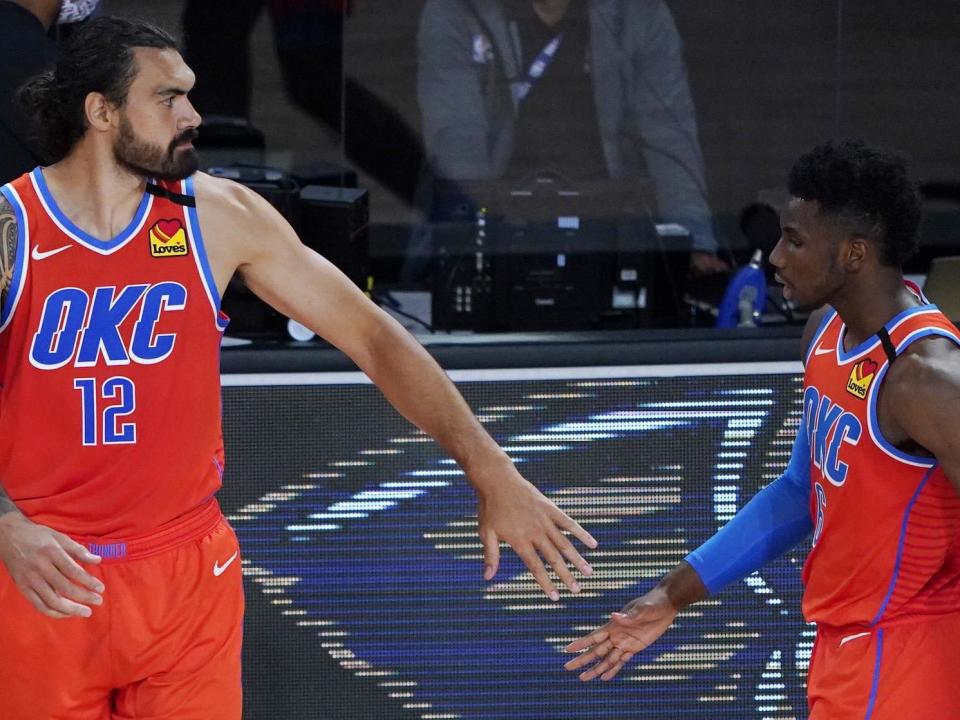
(848, 638)
(823, 350)
(37, 254)
(219, 569)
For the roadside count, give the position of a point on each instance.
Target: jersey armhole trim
(873, 424)
(200, 257)
(18, 278)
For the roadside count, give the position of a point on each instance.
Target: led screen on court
(363, 568)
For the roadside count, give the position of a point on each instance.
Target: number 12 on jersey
(103, 408)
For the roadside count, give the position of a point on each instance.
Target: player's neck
(867, 307)
(96, 194)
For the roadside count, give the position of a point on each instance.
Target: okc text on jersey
(83, 329)
(829, 427)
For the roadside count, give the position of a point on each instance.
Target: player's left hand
(512, 510)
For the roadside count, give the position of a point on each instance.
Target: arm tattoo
(8, 246)
(6, 504)
(8, 254)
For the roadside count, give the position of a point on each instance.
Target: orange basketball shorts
(164, 644)
(901, 671)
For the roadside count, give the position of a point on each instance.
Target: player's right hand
(606, 650)
(45, 565)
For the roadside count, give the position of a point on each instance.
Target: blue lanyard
(521, 88)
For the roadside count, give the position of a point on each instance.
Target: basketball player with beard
(120, 585)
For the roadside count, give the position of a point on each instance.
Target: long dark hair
(97, 57)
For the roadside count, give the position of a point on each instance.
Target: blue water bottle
(745, 296)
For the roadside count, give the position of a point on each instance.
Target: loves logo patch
(168, 239)
(860, 378)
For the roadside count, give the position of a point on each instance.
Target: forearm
(683, 586)
(9, 515)
(775, 520)
(418, 388)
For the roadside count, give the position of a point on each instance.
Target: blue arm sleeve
(775, 520)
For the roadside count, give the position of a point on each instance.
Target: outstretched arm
(775, 520)
(307, 288)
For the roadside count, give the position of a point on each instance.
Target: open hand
(45, 566)
(607, 649)
(512, 510)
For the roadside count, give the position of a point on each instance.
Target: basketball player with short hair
(120, 591)
(875, 468)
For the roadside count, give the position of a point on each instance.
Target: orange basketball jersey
(885, 522)
(109, 364)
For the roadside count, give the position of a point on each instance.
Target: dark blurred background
(327, 92)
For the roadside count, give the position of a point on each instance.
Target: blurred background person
(586, 89)
(25, 51)
(29, 31)
(308, 37)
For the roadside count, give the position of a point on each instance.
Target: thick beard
(152, 161)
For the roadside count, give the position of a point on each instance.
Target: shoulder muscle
(923, 394)
(238, 225)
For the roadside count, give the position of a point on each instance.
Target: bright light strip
(620, 425)
(387, 494)
(563, 437)
(297, 528)
(534, 448)
(415, 483)
(433, 473)
(351, 506)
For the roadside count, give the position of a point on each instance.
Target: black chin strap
(887, 343)
(178, 198)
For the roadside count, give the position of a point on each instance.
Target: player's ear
(855, 253)
(101, 114)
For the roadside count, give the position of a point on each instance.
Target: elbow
(381, 342)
